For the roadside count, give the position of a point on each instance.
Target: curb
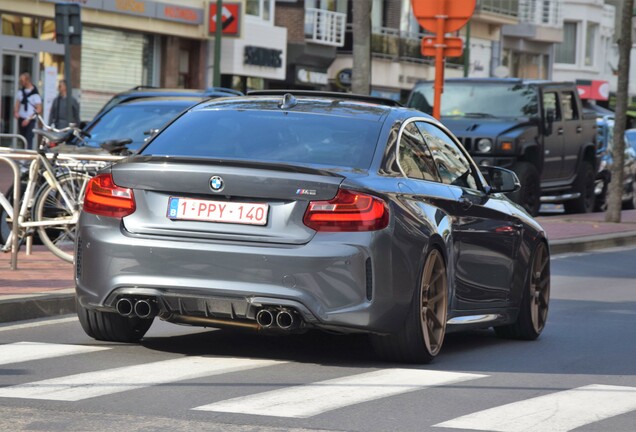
(41, 306)
(585, 244)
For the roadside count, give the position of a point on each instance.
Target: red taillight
(105, 198)
(348, 211)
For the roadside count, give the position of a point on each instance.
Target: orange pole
(439, 62)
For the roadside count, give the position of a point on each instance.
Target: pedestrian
(58, 114)
(28, 104)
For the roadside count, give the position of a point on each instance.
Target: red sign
(453, 46)
(230, 19)
(455, 13)
(593, 89)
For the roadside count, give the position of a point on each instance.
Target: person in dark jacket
(28, 104)
(58, 114)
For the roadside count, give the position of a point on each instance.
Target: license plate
(217, 211)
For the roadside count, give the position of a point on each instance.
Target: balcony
(541, 13)
(325, 27)
(497, 11)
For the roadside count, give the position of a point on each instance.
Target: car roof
(210, 91)
(338, 104)
(163, 101)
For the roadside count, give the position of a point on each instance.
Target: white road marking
(316, 398)
(557, 412)
(38, 323)
(27, 351)
(93, 384)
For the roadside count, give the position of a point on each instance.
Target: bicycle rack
(16, 198)
(10, 155)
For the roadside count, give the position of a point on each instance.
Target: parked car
(606, 134)
(141, 92)
(538, 129)
(134, 121)
(287, 211)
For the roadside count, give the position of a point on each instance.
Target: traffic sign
(456, 13)
(452, 46)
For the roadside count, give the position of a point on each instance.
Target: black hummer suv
(536, 128)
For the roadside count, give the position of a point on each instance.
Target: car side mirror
(500, 179)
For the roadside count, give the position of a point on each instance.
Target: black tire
(529, 196)
(421, 338)
(50, 206)
(584, 185)
(112, 327)
(535, 300)
(5, 226)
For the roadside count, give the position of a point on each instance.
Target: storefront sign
(180, 14)
(230, 19)
(309, 76)
(259, 56)
(144, 8)
(131, 7)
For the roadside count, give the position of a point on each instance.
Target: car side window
(415, 158)
(452, 165)
(569, 108)
(550, 105)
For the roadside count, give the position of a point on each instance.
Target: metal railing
(325, 27)
(508, 8)
(10, 156)
(14, 138)
(541, 12)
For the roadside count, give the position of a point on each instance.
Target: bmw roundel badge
(216, 183)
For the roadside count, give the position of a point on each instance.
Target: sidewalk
(43, 284)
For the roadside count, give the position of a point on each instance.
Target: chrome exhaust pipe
(264, 318)
(144, 309)
(284, 319)
(124, 307)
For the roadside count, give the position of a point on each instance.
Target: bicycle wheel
(51, 207)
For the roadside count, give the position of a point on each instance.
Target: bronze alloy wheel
(540, 288)
(434, 298)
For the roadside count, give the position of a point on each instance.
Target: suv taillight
(348, 211)
(105, 198)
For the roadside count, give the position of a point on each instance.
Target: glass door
(13, 64)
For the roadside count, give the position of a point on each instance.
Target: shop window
(47, 32)
(21, 26)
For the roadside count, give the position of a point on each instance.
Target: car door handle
(560, 131)
(465, 203)
(579, 129)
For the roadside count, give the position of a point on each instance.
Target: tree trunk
(361, 73)
(614, 205)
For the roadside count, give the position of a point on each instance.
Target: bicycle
(53, 194)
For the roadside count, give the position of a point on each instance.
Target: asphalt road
(581, 373)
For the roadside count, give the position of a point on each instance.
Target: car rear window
(273, 136)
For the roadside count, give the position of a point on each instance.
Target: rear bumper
(340, 281)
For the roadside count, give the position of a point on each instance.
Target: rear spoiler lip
(340, 172)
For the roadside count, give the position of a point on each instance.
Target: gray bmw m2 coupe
(284, 211)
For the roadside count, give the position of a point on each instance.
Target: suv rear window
(273, 136)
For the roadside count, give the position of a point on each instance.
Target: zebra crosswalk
(558, 411)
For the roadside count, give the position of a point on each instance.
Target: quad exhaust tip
(265, 318)
(130, 308)
(271, 318)
(124, 307)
